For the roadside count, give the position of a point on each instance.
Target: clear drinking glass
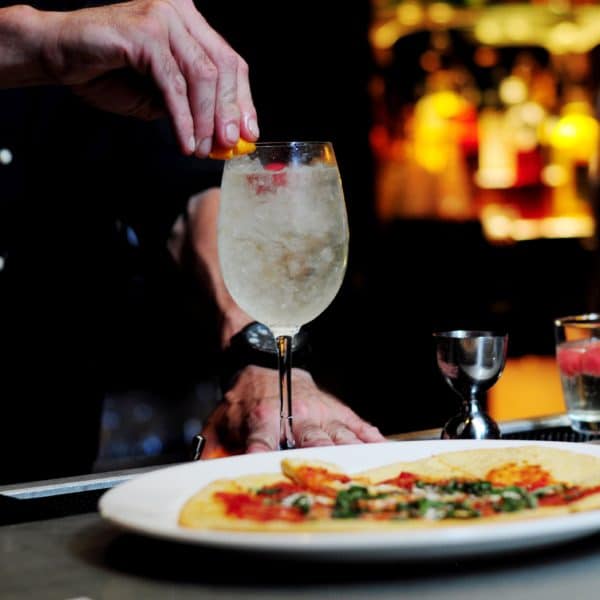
(578, 357)
(283, 243)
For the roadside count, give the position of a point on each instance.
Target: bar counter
(81, 556)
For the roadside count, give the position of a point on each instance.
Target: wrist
(255, 345)
(55, 32)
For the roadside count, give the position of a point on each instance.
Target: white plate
(149, 504)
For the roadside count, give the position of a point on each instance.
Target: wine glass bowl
(283, 242)
(471, 362)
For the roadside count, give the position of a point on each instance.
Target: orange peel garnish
(241, 147)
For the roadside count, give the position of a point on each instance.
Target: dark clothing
(90, 298)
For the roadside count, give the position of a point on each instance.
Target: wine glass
(283, 243)
(471, 363)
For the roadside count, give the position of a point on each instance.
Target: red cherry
(267, 182)
(275, 166)
(590, 362)
(569, 361)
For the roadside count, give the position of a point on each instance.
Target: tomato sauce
(258, 508)
(279, 490)
(266, 503)
(569, 495)
(404, 480)
(317, 480)
(529, 477)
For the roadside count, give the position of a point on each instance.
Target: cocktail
(578, 358)
(283, 243)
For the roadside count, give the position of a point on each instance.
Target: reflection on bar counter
(485, 111)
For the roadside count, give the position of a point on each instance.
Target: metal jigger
(471, 363)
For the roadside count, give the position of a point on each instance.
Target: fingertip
(323, 443)
(191, 144)
(252, 131)
(256, 447)
(312, 437)
(345, 437)
(232, 133)
(261, 441)
(187, 143)
(204, 147)
(370, 433)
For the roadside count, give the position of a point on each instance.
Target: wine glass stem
(284, 361)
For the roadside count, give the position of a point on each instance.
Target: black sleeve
(108, 167)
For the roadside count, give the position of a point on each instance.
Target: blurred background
(467, 138)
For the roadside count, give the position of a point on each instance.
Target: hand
(248, 418)
(143, 57)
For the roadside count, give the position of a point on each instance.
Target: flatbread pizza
(465, 487)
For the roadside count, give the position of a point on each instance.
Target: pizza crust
(566, 466)
(432, 467)
(203, 511)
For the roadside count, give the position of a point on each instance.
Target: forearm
(202, 217)
(23, 30)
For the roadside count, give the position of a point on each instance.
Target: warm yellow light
(564, 134)
(576, 107)
(409, 13)
(440, 13)
(523, 120)
(525, 229)
(431, 157)
(568, 226)
(386, 35)
(513, 90)
(501, 224)
(517, 28)
(497, 160)
(525, 139)
(445, 104)
(564, 38)
(577, 134)
(554, 175)
(488, 31)
(532, 113)
(498, 228)
(546, 127)
(434, 130)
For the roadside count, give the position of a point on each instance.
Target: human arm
(248, 417)
(140, 58)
